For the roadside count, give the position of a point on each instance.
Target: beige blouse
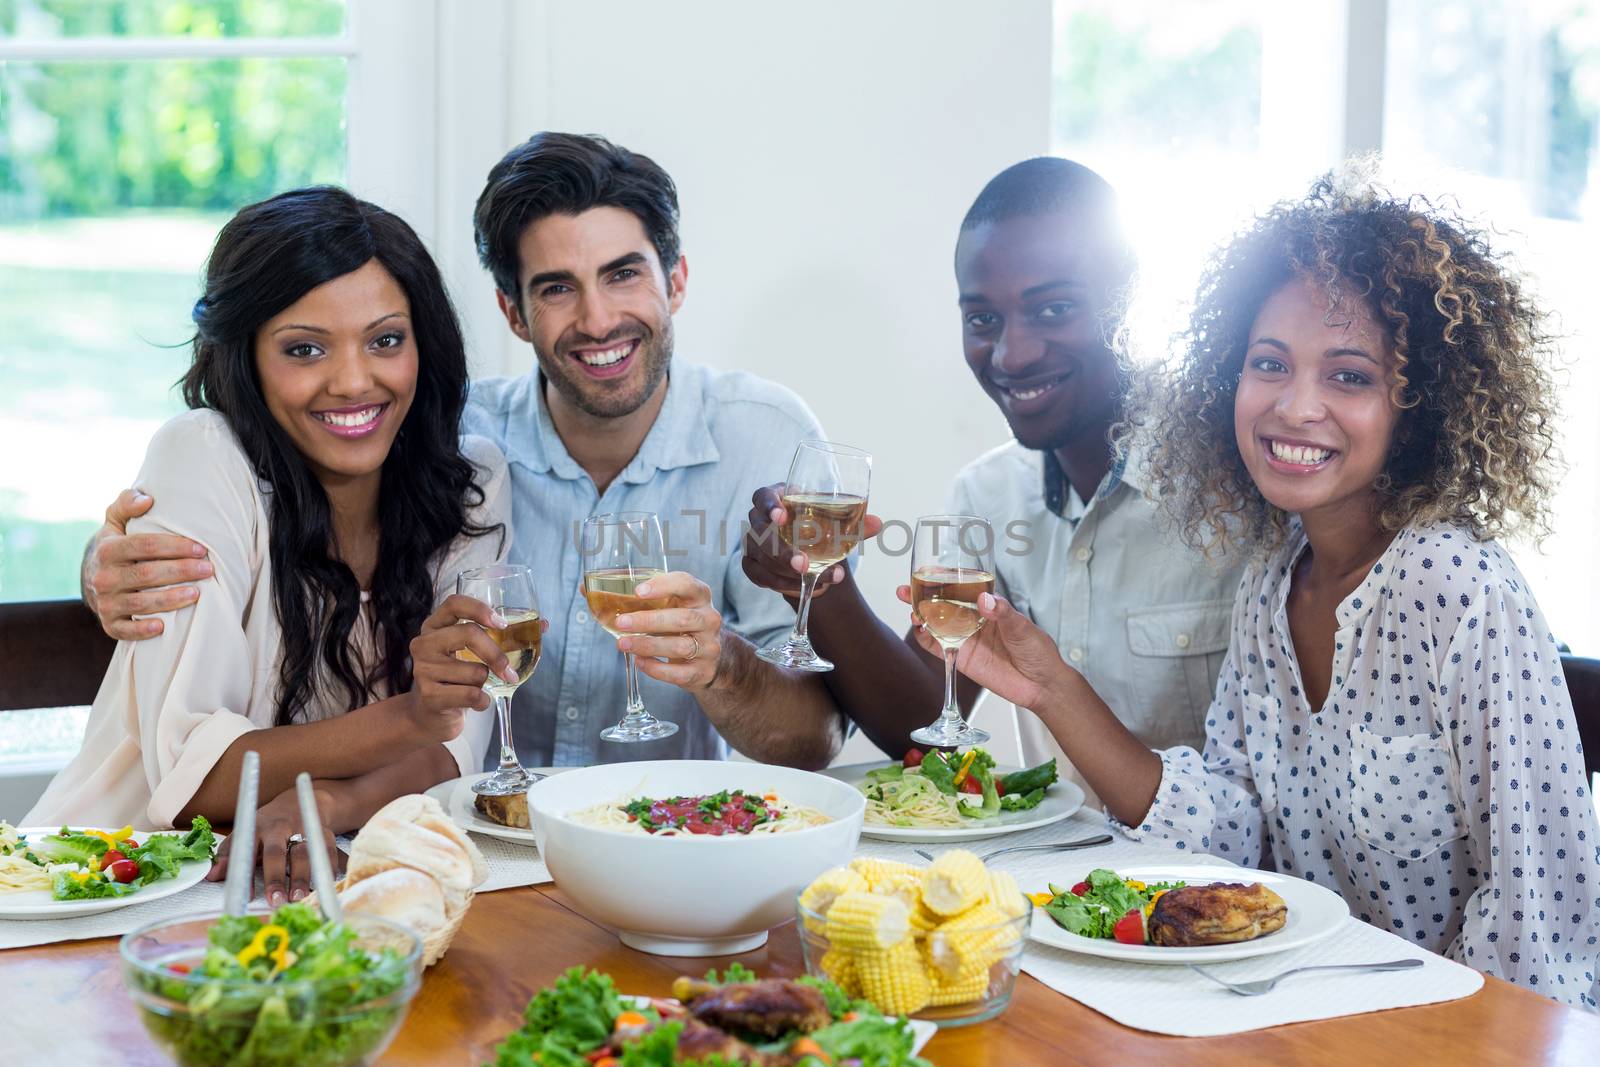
(171, 705)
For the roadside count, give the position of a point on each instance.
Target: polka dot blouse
(1440, 788)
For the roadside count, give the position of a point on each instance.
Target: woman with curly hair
(1359, 406)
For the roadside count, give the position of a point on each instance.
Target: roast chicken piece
(1216, 914)
(771, 1006)
(507, 811)
(699, 1041)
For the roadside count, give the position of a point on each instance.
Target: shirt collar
(1055, 481)
(680, 436)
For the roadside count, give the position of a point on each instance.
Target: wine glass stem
(508, 750)
(951, 713)
(808, 582)
(635, 701)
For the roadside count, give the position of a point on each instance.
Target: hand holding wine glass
(824, 502)
(515, 634)
(1009, 656)
(952, 565)
(622, 551)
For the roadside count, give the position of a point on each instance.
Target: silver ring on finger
(295, 839)
(696, 653)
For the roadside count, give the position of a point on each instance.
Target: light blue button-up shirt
(718, 437)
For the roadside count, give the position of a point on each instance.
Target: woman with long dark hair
(321, 469)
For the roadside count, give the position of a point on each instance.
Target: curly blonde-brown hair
(1471, 377)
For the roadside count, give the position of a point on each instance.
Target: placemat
(509, 866)
(1175, 1000)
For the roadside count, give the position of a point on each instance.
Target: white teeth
(1029, 394)
(607, 357)
(358, 418)
(1301, 454)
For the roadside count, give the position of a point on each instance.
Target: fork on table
(1265, 985)
(1060, 846)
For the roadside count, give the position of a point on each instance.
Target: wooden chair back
(1583, 685)
(53, 654)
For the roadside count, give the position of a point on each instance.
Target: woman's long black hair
(267, 257)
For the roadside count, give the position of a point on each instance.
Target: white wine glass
(825, 500)
(952, 564)
(508, 590)
(621, 551)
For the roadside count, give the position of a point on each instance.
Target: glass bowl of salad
(283, 987)
(947, 970)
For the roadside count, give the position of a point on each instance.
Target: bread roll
(414, 831)
(401, 894)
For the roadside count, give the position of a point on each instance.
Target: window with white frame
(130, 130)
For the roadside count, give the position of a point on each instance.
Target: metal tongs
(242, 851)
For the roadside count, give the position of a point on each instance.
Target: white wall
(824, 155)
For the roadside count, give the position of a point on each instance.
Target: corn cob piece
(825, 889)
(878, 872)
(1006, 895)
(923, 920)
(867, 922)
(955, 882)
(896, 980)
(840, 967)
(966, 945)
(960, 993)
(904, 886)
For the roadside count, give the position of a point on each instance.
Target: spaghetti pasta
(910, 800)
(724, 814)
(18, 873)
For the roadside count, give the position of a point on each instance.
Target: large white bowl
(690, 895)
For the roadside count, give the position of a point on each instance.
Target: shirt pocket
(1402, 793)
(1175, 653)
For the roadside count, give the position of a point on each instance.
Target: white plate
(456, 796)
(1314, 913)
(922, 1031)
(1060, 801)
(36, 903)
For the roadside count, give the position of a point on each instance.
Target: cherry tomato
(111, 856)
(999, 788)
(124, 871)
(1081, 889)
(129, 845)
(1130, 928)
(913, 757)
(971, 785)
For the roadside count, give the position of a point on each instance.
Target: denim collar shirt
(718, 437)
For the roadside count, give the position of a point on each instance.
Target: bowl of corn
(941, 943)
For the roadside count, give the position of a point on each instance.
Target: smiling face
(1033, 294)
(338, 371)
(1312, 415)
(597, 308)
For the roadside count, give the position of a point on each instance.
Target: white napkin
(510, 866)
(1166, 999)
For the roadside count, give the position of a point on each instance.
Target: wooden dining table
(64, 1003)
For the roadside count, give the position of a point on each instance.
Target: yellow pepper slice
(1040, 899)
(966, 765)
(281, 957)
(111, 839)
(1134, 884)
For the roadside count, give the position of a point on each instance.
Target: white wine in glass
(952, 564)
(507, 588)
(825, 503)
(622, 551)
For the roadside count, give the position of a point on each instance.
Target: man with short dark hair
(581, 237)
(1042, 268)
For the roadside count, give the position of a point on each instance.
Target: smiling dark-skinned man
(1042, 269)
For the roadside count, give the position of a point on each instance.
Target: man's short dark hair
(567, 174)
(1039, 186)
